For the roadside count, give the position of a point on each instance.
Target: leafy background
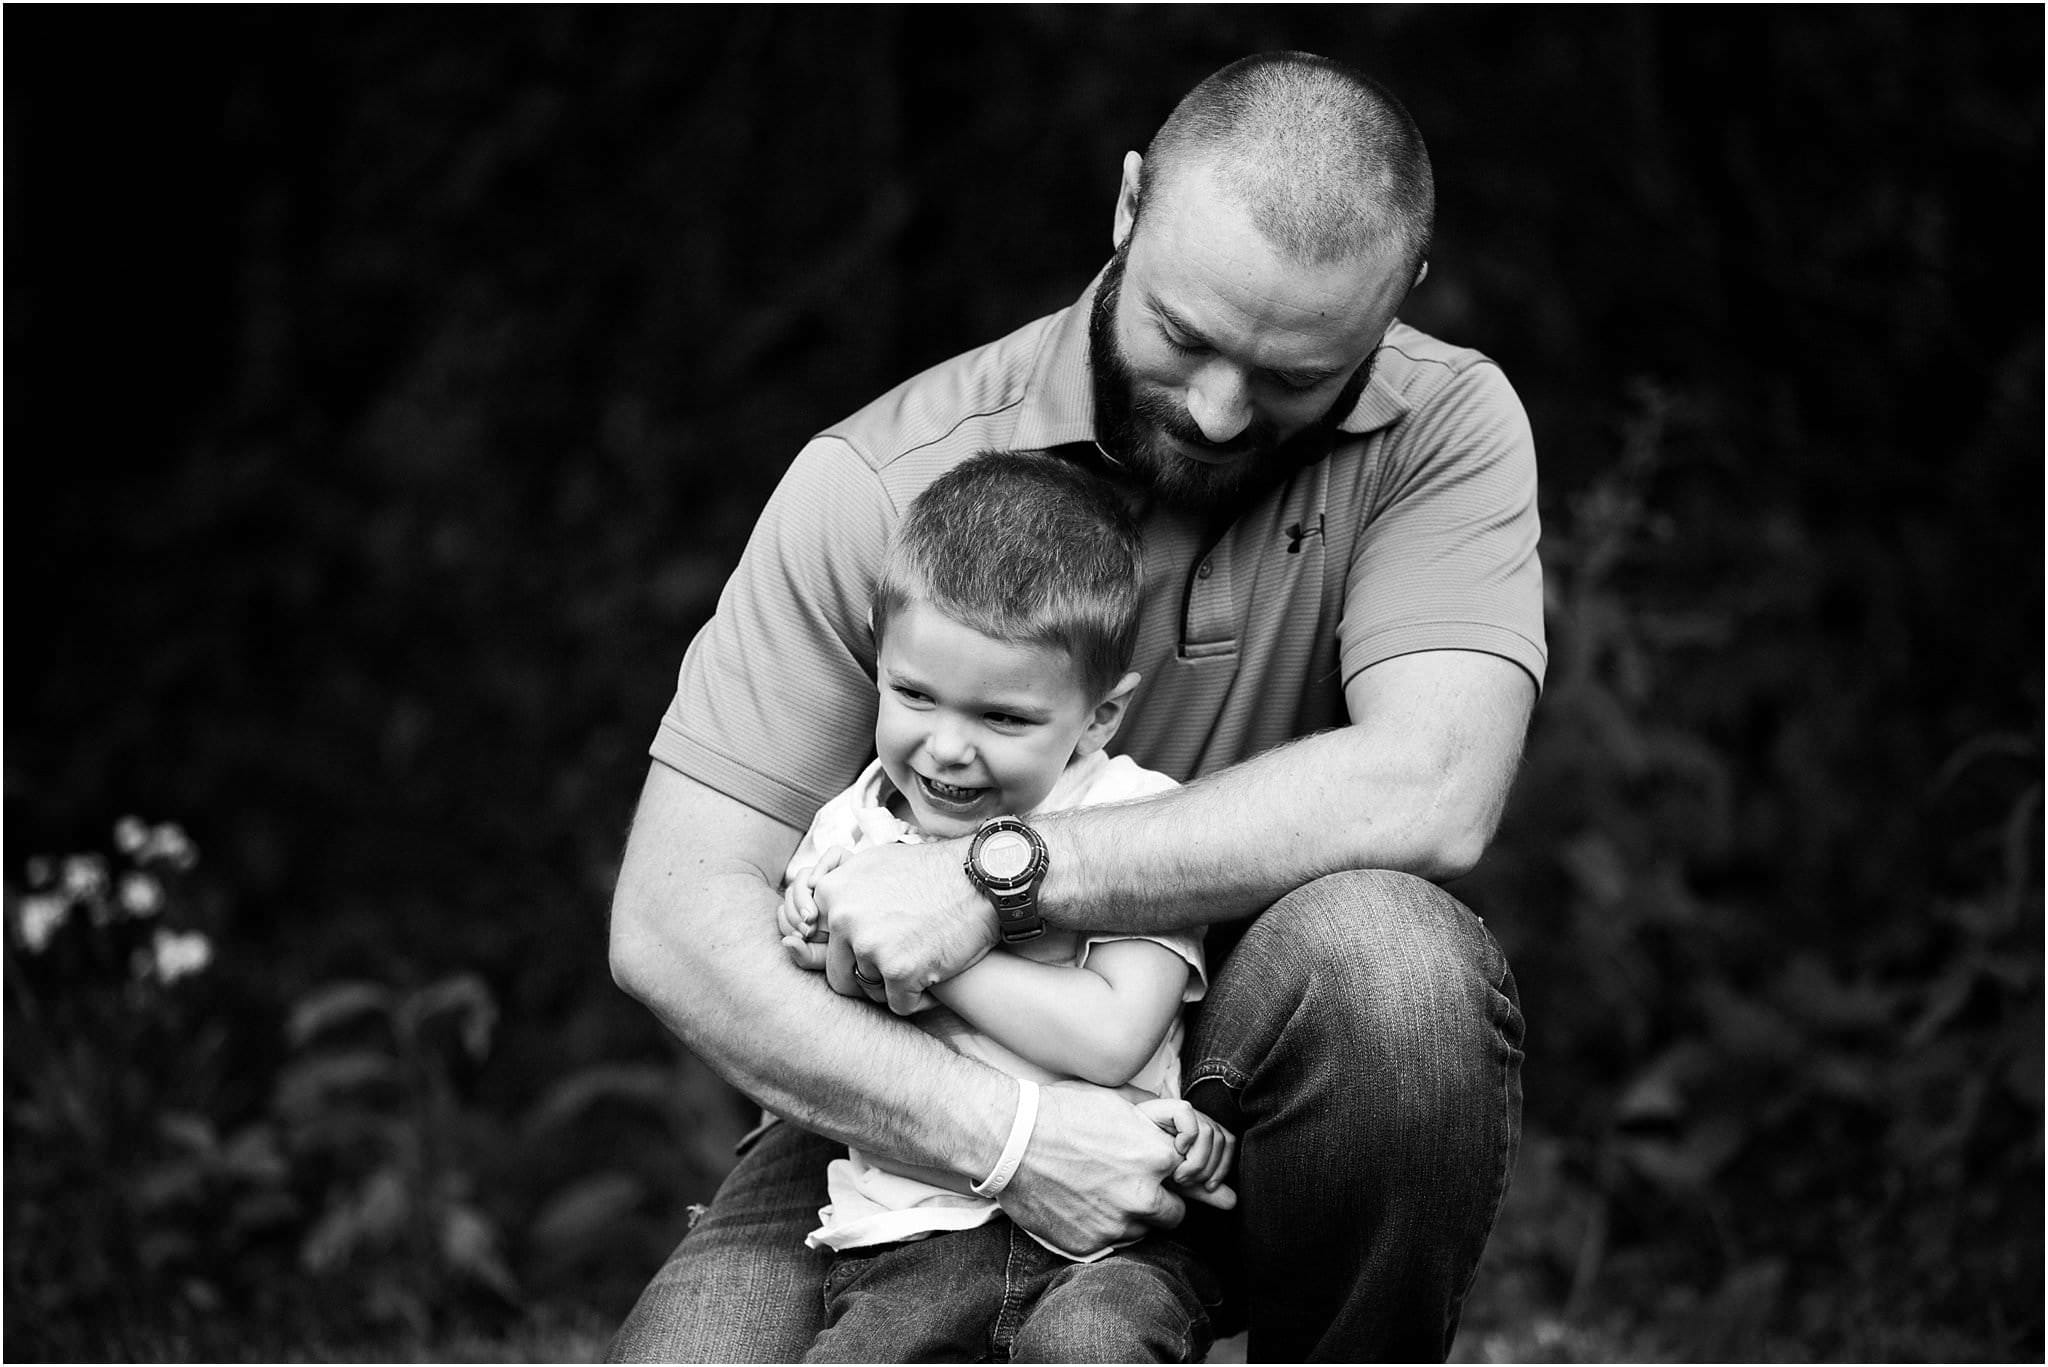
(389, 391)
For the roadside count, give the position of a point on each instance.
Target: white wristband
(1020, 1138)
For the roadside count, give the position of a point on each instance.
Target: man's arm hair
(1416, 783)
(693, 937)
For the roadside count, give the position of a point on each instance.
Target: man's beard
(1133, 426)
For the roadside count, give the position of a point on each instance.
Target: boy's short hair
(1024, 547)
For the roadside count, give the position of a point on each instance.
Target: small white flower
(179, 954)
(38, 918)
(141, 895)
(85, 875)
(130, 834)
(169, 843)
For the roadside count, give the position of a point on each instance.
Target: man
(1341, 647)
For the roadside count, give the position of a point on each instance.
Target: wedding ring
(864, 979)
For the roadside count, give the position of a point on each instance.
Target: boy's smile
(969, 726)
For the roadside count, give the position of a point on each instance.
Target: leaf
(253, 1156)
(1809, 989)
(464, 992)
(637, 1084)
(586, 1211)
(470, 1245)
(1692, 1162)
(329, 1006)
(169, 1184)
(1597, 867)
(188, 1130)
(1657, 1093)
(1746, 1028)
(306, 1085)
(371, 1216)
(1945, 999)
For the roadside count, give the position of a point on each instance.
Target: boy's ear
(1109, 715)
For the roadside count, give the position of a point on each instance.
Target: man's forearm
(1392, 792)
(1193, 856)
(694, 938)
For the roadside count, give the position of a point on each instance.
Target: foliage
(1734, 1115)
(454, 355)
(156, 1200)
(116, 1065)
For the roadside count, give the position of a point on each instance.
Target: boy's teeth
(949, 790)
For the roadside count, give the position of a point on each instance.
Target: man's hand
(1094, 1171)
(908, 916)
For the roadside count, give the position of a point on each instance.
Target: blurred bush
(401, 383)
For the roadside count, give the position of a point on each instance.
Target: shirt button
(1204, 570)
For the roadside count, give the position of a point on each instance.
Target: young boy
(1004, 620)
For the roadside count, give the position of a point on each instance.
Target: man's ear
(1421, 274)
(1126, 200)
(1109, 715)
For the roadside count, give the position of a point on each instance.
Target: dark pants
(1363, 1040)
(995, 1294)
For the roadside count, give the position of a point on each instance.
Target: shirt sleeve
(1448, 560)
(775, 702)
(1185, 943)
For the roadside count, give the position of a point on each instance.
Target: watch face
(1005, 855)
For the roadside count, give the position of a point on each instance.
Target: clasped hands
(887, 925)
(875, 937)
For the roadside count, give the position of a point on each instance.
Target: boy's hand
(1206, 1151)
(797, 916)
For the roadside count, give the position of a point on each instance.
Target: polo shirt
(1417, 532)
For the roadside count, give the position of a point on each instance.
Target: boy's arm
(1099, 1022)
(1415, 783)
(693, 937)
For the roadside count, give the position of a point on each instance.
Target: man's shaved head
(1328, 164)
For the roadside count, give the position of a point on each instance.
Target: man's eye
(1294, 384)
(1185, 348)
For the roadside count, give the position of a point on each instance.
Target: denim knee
(1364, 1041)
(1356, 972)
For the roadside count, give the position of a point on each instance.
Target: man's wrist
(967, 900)
(1022, 1123)
(986, 1113)
(1007, 860)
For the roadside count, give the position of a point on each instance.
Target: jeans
(995, 1294)
(1363, 1040)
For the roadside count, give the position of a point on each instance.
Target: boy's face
(970, 727)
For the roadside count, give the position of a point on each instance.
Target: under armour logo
(1301, 532)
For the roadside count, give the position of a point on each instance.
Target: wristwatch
(1006, 859)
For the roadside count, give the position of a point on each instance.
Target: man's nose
(1220, 401)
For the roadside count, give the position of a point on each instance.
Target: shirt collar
(1059, 400)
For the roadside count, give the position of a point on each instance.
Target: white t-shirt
(873, 1204)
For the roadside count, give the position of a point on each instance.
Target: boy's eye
(908, 694)
(1006, 719)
